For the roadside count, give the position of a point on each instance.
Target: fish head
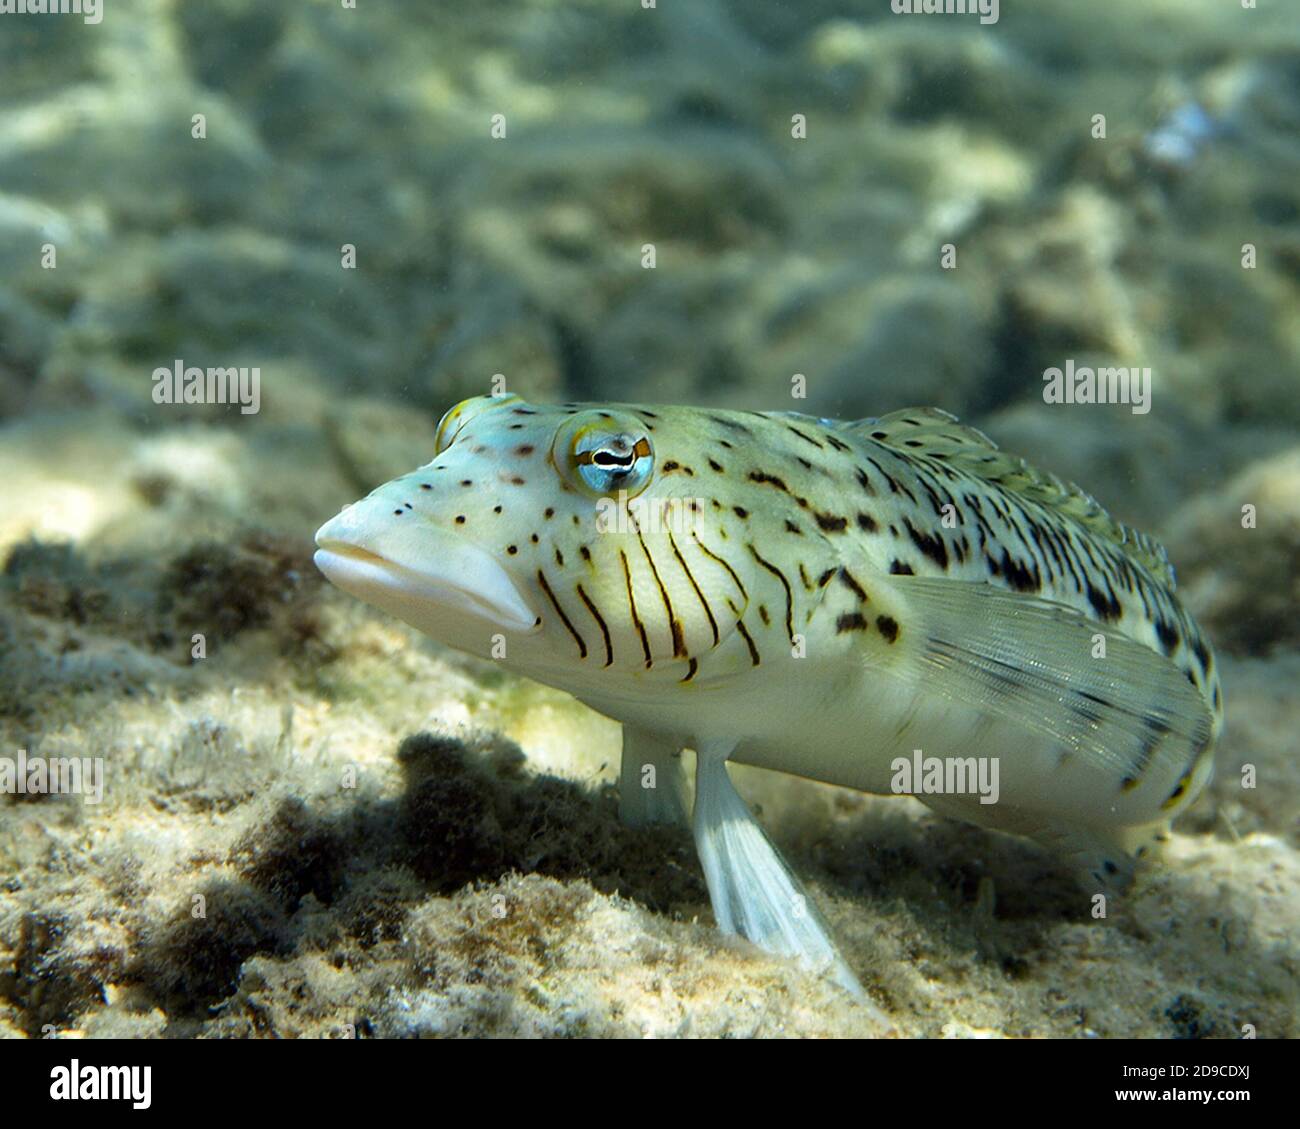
(556, 527)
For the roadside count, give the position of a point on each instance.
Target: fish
(836, 600)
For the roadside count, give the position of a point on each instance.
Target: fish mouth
(451, 576)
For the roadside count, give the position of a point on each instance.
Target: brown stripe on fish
(753, 650)
(789, 595)
(714, 556)
(849, 582)
(582, 644)
(631, 603)
(806, 438)
(674, 625)
(708, 611)
(600, 620)
(762, 478)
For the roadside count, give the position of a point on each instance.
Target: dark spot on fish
(466, 482)
(792, 528)
(716, 467)
(426, 486)
(1167, 633)
(1202, 654)
(898, 568)
(525, 449)
(932, 546)
(735, 425)
(549, 512)
(765, 479)
(868, 523)
(850, 582)
(762, 614)
(496, 509)
(584, 552)
(830, 523)
(1018, 576)
(559, 557)
(805, 438)
(460, 519)
(740, 511)
(515, 480)
(851, 621)
(825, 578)
(888, 627)
(1104, 604)
(1180, 790)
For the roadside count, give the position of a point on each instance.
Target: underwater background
(327, 825)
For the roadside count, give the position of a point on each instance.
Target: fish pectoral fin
(1039, 664)
(652, 781)
(754, 893)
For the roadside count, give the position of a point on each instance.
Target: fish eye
(458, 416)
(603, 453)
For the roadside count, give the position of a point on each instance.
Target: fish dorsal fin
(934, 433)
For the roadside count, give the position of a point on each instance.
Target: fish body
(818, 597)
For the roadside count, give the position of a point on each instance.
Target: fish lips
(420, 578)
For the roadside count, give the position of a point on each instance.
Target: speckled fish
(807, 595)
